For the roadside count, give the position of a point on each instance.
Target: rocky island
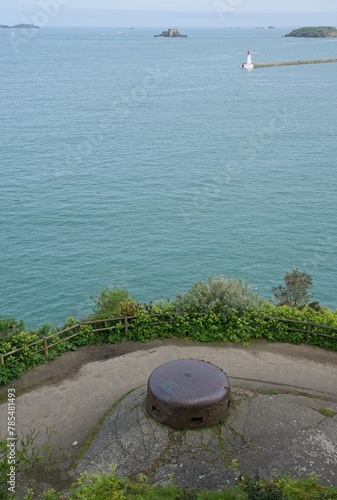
(20, 26)
(310, 32)
(171, 33)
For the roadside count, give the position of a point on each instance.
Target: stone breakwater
(294, 63)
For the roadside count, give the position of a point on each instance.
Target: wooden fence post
(126, 325)
(2, 359)
(45, 347)
(308, 331)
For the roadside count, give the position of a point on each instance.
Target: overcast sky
(158, 12)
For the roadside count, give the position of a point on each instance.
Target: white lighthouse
(249, 64)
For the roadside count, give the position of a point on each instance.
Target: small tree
(107, 303)
(295, 291)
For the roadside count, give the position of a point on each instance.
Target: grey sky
(158, 12)
(177, 5)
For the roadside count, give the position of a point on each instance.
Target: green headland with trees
(314, 32)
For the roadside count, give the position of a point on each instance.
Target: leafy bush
(307, 314)
(8, 372)
(129, 307)
(199, 327)
(30, 356)
(218, 310)
(10, 326)
(217, 295)
(107, 303)
(162, 307)
(45, 330)
(144, 327)
(259, 489)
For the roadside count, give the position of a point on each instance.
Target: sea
(150, 163)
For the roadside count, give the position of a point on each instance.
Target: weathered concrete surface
(262, 433)
(135, 443)
(127, 439)
(287, 433)
(73, 403)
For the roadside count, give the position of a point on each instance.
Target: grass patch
(273, 393)
(105, 486)
(326, 412)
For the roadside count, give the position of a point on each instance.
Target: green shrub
(116, 334)
(144, 327)
(28, 356)
(10, 371)
(218, 310)
(10, 326)
(45, 330)
(129, 307)
(217, 295)
(259, 489)
(323, 317)
(86, 336)
(107, 303)
(162, 307)
(199, 327)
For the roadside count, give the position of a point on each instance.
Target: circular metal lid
(188, 382)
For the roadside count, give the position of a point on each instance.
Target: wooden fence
(308, 329)
(125, 321)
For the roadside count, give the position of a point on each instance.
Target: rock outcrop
(171, 33)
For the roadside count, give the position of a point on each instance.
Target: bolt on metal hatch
(188, 394)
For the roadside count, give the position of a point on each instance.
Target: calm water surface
(150, 163)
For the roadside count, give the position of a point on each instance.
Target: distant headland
(20, 26)
(310, 32)
(171, 33)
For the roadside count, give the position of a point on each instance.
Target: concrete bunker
(188, 394)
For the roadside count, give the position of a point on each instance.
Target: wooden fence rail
(125, 322)
(309, 328)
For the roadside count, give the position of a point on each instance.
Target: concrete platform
(72, 393)
(263, 433)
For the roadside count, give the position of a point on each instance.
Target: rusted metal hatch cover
(188, 393)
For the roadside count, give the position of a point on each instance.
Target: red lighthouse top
(248, 53)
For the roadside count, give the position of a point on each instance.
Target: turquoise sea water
(150, 163)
